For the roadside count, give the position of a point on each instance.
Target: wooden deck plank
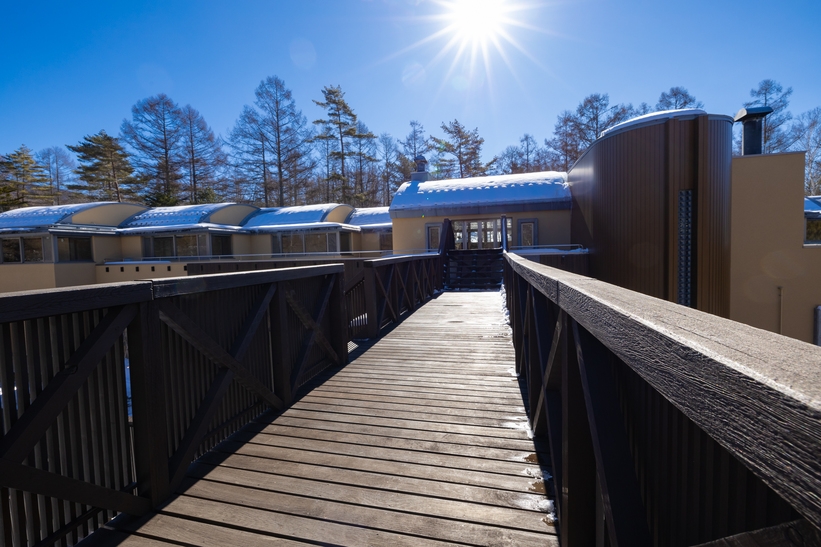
(421, 440)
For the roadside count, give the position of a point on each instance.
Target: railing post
(147, 373)
(578, 505)
(372, 328)
(283, 363)
(339, 320)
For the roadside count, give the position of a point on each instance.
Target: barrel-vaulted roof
(79, 215)
(188, 215)
(482, 195)
(302, 214)
(371, 217)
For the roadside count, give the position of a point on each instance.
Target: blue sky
(70, 69)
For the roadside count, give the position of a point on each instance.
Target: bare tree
(390, 173)
(251, 157)
(594, 114)
(565, 147)
(155, 136)
(59, 167)
(202, 153)
(677, 98)
(806, 136)
(776, 135)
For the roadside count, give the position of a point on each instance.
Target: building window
(186, 245)
(74, 249)
(292, 243)
(276, 247)
(316, 243)
(386, 241)
(32, 249)
(11, 250)
(434, 235)
(345, 242)
(221, 245)
(163, 247)
(332, 242)
(813, 231)
(528, 236)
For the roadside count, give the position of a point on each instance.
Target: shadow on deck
(421, 440)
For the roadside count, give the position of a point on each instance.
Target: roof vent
(753, 134)
(421, 173)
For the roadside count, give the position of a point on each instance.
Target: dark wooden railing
(395, 286)
(666, 425)
(204, 355)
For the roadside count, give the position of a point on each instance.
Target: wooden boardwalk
(420, 440)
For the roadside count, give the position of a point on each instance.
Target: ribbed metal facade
(627, 199)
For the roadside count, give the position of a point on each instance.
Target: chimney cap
(752, 113)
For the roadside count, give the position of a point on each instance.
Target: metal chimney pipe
(752, 122)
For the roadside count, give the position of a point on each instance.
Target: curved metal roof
(41, 217)
(658, 117)
(180, 215)
(479, 195)
(301, 214)
(369, 216)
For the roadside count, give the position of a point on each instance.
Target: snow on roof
(370, 216)
(305, 226)
(38, 217)
(178, 228)
(181, 215)
(300, 214)
(655, 116)
(495, 193)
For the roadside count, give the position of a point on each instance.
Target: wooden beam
(578, 504)
(626, 517)
(551, 375)
(385, 290)
(194, 335)
(315, 330)
(790, 534)
(176, 286)
(44, 483)
(720, 374)
(22, 305)
(201, 421)
(32, 425)
(198, 427)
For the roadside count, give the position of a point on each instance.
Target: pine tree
(154, 134)
(465, 149)
(342, 120)
(105, 169)
(364, 155)
(25, 179)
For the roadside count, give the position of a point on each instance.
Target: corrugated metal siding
(625, 196)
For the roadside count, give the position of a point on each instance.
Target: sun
(475, 22)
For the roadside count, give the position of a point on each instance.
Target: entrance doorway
(480, 234)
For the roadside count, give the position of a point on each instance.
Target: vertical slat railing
(651, 441)
(202, 357)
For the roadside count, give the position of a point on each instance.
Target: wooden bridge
(253, 420)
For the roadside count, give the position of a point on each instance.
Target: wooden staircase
(474, 269)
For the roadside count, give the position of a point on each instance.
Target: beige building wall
(260, 244)
(775, 280)
(410, 234)
(26, 277)
(241, 244)
(112, 273)
(369, 241)
(132, 247)
(106, 248)
(70, 274)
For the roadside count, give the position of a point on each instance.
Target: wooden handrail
(755, 394)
